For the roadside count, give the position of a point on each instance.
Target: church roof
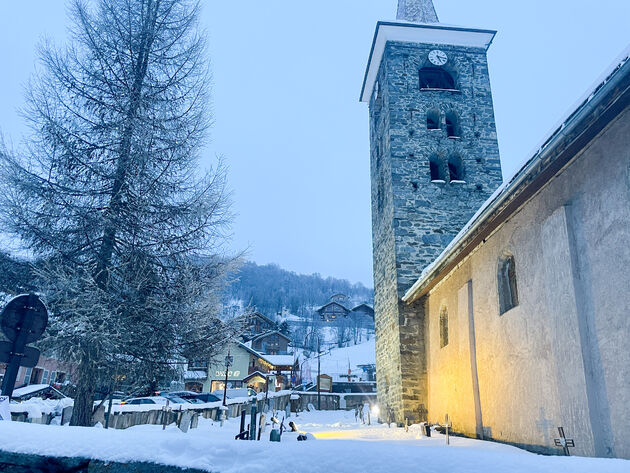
(420, 11)
(601, 104)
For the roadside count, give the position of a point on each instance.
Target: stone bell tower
(434, 161)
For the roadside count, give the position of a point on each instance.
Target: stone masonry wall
(414, 218)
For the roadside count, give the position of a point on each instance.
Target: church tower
(434, 161)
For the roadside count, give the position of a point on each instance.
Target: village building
(48, 371)
(332, 311)
(248, 369)
(260, 360)
(271, 343)
(255, 323)
(336, 310)
(499, 304)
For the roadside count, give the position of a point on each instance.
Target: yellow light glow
(335, 434)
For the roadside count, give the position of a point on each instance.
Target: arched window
(452, 125)
(506, 276)
(456, 168)
(433, 120)
(436, 78)
(443, 327)
(437, 168)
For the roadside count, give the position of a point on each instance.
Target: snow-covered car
(207, 397)
(235, 392)
(145, 400)
(174, 398)
(189, 396)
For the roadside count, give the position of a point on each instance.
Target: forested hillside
(271, 289)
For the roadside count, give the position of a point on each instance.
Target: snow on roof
(268, 333)
(320, 309)
(33, 389)
(195, 375)
(279, 360)
(362, 307)
(528, 166)
(254, 374)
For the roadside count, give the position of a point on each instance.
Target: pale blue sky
(287, 77)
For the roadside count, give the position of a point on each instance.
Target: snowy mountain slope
(337, 361)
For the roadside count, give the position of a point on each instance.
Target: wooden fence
(126, 419)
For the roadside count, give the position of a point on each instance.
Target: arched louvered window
(452, 125)
(456, 168)
(506, 277)
(436, 78)
(437, 168)
(433, 120)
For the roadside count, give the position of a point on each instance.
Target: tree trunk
(84, 398)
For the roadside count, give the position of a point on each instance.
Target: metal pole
(319, 396)
(266, 392)
(227, 367)
(109, 409)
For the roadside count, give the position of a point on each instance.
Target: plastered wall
(562, 356)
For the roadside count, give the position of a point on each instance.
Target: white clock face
(437, 57)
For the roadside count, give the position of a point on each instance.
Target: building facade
(47, 371)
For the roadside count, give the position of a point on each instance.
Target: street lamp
(228, 361)
(319, 395)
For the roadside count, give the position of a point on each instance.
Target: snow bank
(342, 446)
(36, 407)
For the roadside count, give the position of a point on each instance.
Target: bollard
(223, 414)
(165, 411)
(242, 429)
(274, 436)
(252, 423)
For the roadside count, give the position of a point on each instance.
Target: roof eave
(417, 33)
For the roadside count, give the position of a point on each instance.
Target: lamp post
(319, 395)
(228, 361)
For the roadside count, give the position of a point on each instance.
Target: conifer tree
(108, 193)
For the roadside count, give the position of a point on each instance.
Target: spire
(418, 11)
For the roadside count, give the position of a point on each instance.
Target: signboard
(325, 383)
(5, 411)
(29, 360)
(231, 374)
(23, 321)
(24, 313)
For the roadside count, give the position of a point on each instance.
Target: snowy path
(342, 446)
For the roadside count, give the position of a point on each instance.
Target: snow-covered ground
(341, 445)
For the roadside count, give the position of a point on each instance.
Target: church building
(498, 303)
